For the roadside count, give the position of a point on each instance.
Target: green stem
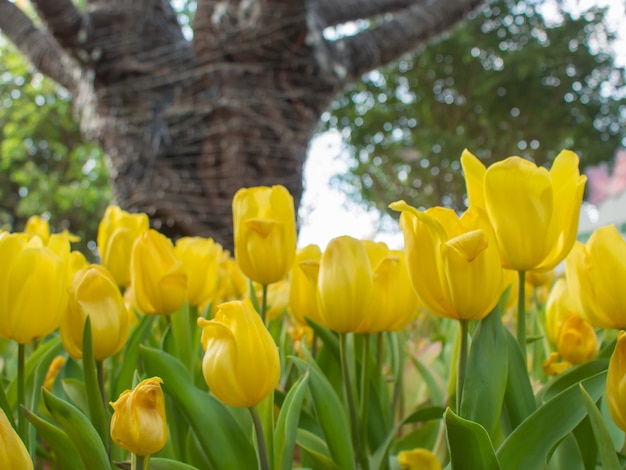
(364, 391)
(379, 347)
(264, 303)
(260, 438)
(103, 396)
(462, 364)
(22, 424)
(139, 462)
(354, 424)
(521, 313)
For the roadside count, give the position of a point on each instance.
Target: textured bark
(188, 122)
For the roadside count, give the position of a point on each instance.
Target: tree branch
(389, 40)
(335, 12)
(66, 22)
(39, 47)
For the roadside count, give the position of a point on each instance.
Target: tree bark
(187, 122)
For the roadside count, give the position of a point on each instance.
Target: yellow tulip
(616, 382)
(264, 223)
(534, 212)
(394, 302)
(13, 452)
(232, 283)
(454, 265)
(559, 305)
(138, 423)
(277, 298)
(303, 284)
(95, 294)
(200, 257)
(577, 342)
(117, 233)
(158, 277)
(36, 225)
(33, 286)
(241, 365)
(596, 275)
(53, 371)
(345, 285)
(418, 459)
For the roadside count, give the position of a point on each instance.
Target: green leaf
(608, 457)
(315, 446)
(571, 377)
(92, 388)
(484, 387)
(80, 431)
(469, 444)
(76, 393)
(567, 455)
(287, 424)
(529, 445)
(331, 415)
(65, 454)
(231, 447)
(157, 463)
(328, 337)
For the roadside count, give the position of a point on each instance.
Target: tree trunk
(188, 122)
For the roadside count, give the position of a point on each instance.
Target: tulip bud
(418, 459)
(616, 382)
(95, 294)
(559, 305)
(33, 286)
(138, 423)
(117, 233)
(277, 298)
(577, 341)
(264, 223)
(241, 365)
(303, 284)
(13, 453)
(200, 257)
(158, 277)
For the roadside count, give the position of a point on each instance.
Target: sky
(326, 212)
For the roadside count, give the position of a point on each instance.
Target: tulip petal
(474, 172)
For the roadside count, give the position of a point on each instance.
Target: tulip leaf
(80, 431)
(519, 399)
(94, 397)
(328, 337)
(65, 454)
(157, 463)
(287, 425)
(571, 377)
(231, 447)
(434, 384)
(567, 455)
(4, 404)
(75, 391)
(608, 457)
(469, 444)
(529, 445)
(332, 416)
(181, 328)
(484, 387)
(315, 446)
(124, 377)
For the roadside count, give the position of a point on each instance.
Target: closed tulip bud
(117, 233)
(138, 423)
(577, 342)
(394, 302)
(158, 277)
(200, 257)
(33, 286)
(454, 266)
(264, 223)
(616, 382)
(303, 284)
(418, 459)
(241, 365)
(13, 453)
(345, 285)
(559, 305)
(95, 294)
(36, 225)
(534, 212)
(596, 276)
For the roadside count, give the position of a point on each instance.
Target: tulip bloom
(13, 453)
(241, 365)
(35, 225)
(200, 257)
(454, 265)
(534, 212)
(158, 277)
(394, 302)
(277, 298)
(418, 459)
(616, 382)
(345, 284)
(577, 342)
(303, 284)
(596, 275)
(138, 423)
(33, 286)
(264, 223)
(117, 233)
(559, 305)
(95, 294)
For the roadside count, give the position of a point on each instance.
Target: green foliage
(45, 166)
(507, 81)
